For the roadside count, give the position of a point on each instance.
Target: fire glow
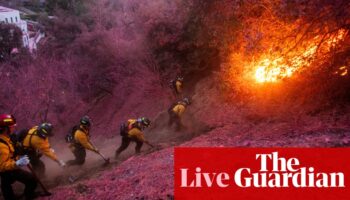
(273, 68)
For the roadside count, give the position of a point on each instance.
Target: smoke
(161, 133)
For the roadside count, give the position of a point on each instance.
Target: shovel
(72, 179)
(104, 158)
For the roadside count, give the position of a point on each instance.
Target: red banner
(262, 173)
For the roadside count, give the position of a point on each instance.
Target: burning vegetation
(287, 50)
(272, 68)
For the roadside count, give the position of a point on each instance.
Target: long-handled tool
(72, 178)
(153, 148)
(46, 192)
(104, 158)
(150, 145)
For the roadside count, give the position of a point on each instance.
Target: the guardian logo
(274, 172)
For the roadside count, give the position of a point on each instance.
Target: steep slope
(150, 175)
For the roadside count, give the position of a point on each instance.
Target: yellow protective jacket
(7, 160)
(137, 134)
(130, 123)
(179, 109)
(82, 137)
(35, 142)
(134, 132)
(178, 85)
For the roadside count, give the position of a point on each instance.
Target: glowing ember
(342, 71)
(273, 69)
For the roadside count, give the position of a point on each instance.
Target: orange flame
(342, 71)
(272, 69)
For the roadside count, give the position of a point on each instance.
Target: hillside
(259, 74)
(150, 175)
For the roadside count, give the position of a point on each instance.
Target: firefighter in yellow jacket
(10, 170)
(133, 133)
(176, 112)
(36, 143)
(177, 86)
(81, 142)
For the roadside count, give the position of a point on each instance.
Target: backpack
(70, 136)
(18, 136)
(123, 129)
(17, 139)
(170, 110)
(172, 84)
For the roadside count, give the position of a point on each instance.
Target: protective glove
(22, 161)
(61, 163)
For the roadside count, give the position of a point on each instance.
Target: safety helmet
(187, 101)
(145, 121)
(7, 120)
(180, 78)
(45, 129)
(85, 121)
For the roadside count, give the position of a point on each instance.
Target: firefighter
(81, 142)
(177, 86)
(36, 143)
(133, 133)
(10, 170)
(176, 111)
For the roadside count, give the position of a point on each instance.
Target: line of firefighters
(26, 147)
